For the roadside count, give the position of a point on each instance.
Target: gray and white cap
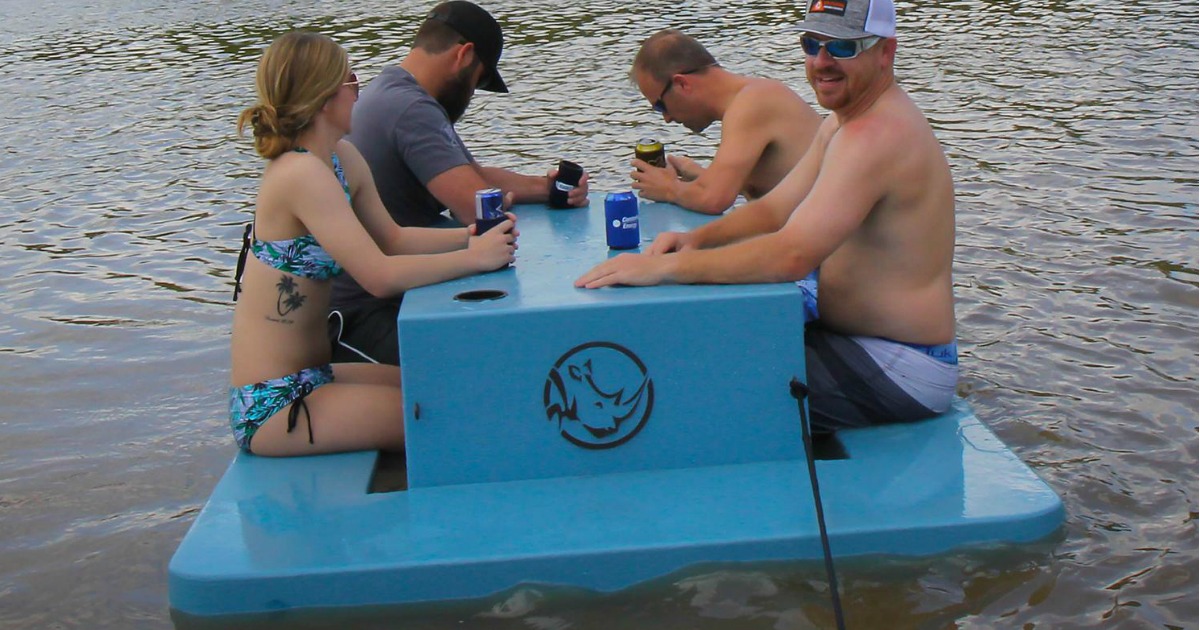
(850, 19)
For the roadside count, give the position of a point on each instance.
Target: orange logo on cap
(821, 6)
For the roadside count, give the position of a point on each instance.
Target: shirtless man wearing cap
(403, 124)
(765, 126)
(871, 206)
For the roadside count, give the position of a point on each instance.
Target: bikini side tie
(297, 405)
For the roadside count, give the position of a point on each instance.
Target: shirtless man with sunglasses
(871, 208)
(765, 126)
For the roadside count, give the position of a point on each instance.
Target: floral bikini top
(301, 256)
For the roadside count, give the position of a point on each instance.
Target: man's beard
(457, 95)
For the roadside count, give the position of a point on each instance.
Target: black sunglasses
(661, 107)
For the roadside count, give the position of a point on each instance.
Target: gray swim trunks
(863, 381)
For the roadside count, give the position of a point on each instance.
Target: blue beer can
(621, 220)
(489, 209)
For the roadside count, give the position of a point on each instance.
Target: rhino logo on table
(600, 394)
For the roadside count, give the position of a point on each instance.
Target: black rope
(800, 392)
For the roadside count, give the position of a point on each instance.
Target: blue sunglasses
(837, 48)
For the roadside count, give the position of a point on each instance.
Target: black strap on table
(800, 391)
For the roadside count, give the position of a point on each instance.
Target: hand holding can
(651, 151)
(569, 174)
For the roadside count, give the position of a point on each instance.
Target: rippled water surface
(1072, 132)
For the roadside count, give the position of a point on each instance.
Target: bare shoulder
(347, 152)
(291, 168)
(763, 94)
(891, 124)
(294, 175)
(353, 163)
(896, 144)
(762, 86)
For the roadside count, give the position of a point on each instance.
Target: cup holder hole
(480, 295)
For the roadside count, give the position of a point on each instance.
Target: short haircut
(670, 52)
(435, 36)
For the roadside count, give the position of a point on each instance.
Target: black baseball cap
(481, 29)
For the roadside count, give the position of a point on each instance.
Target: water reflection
(123, 184)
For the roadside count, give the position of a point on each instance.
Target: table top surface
(556, 248)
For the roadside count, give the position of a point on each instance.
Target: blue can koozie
(621, 220)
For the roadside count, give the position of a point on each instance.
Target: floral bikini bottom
(251, 405)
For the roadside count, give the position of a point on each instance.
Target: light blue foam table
(593, 439)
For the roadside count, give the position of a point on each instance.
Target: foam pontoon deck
(594, 439)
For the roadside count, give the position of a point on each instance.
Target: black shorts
(365, 333)
(847, 389)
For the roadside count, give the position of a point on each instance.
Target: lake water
(1072, 131)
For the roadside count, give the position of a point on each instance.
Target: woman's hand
(497, 247)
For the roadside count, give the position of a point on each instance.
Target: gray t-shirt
(407, 139)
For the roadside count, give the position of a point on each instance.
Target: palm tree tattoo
(289, 298)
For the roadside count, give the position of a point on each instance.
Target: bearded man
(403, 124)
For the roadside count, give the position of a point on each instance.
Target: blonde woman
(318, 215)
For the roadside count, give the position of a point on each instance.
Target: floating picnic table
(593, 439)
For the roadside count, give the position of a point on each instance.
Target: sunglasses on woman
(354, 83)
(837, 48)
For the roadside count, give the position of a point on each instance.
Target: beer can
(489, 209)
(621, 220)
(651, 152)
